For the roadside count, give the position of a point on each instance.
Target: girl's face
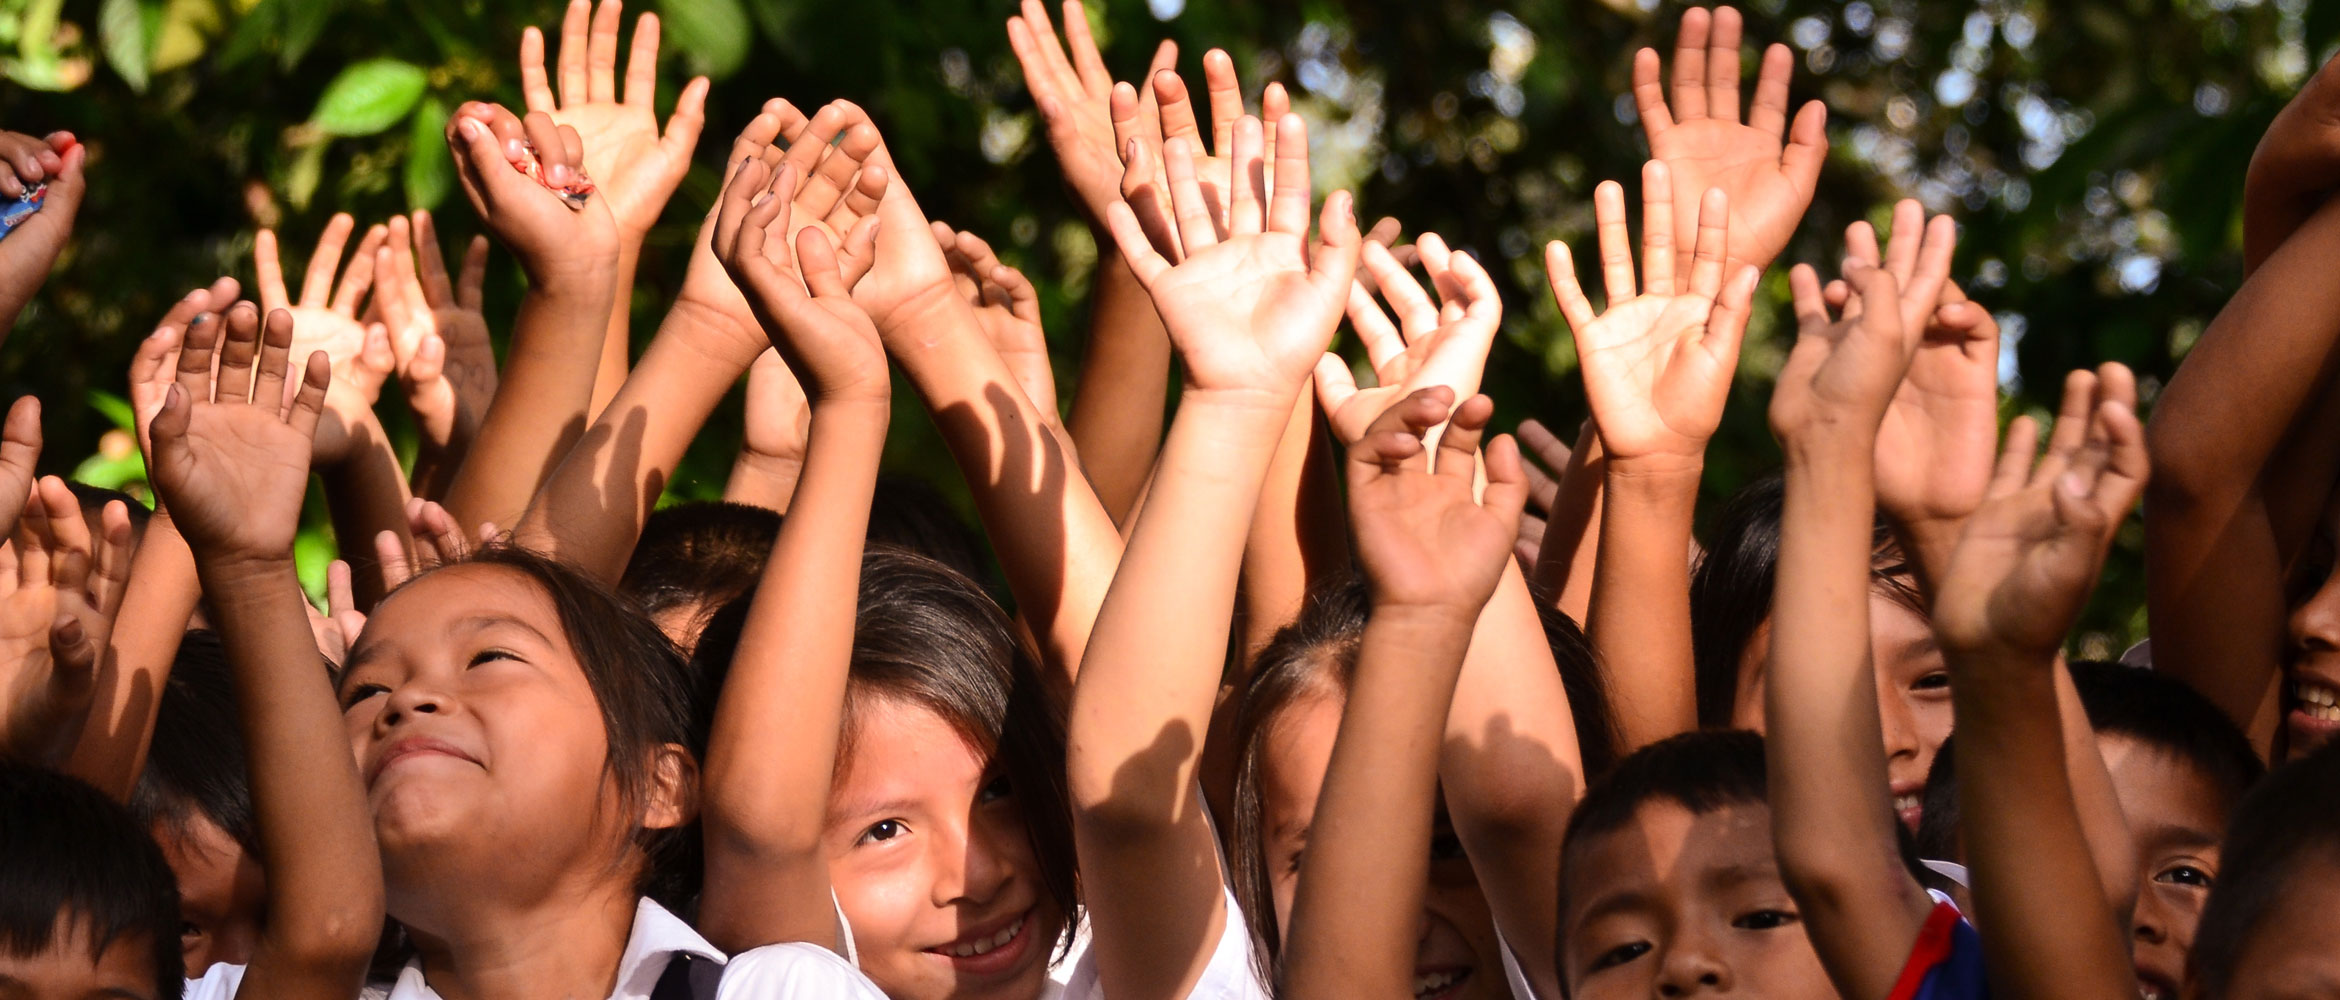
(2289, 953)
(1913, 695)
(222, 893)
(479, 740)
(932, 863)
(1458, 955)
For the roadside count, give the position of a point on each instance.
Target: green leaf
(301, 176)
(304, 23)
(368, 97)
(430, 169)
(251, 34)
(123, 31)
(114, 408)
(111, 473)
(712, 35)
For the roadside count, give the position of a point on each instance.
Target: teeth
(1905, 803)
(990, 944)
(1435, 981)
(2318, 695)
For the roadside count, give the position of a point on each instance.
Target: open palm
(1440, 342)
(231, 460)
(633, 167)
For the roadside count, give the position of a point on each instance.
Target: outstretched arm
(767, 786)
(1831, 807)
(2015, 585)
(1433, 556)
(1657, 369)
(591, 511)
(1250, 315)
(32, 247)
(232, 461)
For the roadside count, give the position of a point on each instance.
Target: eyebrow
(2175, 835)
(1614, 903)
(1733, 876)
(365, 651)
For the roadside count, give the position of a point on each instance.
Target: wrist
(586, 273)
(1430, 619)
(1831, 443)
(712, 331)
(1654, 471)
(236, 577)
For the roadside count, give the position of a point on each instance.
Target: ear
(673, 798)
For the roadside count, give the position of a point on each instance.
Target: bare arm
(1432, 556)
(768, 786)
(1831, 809)
(1571, 543)
(233, 463)
(2016, 583)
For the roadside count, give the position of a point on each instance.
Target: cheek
(1458, 907)
(882, 898)
(1783, 964)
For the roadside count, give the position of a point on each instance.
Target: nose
(2150, 924)
(2315, 624)
(411, 699)
(1692, 965)
(1900, 724)
(970, 866)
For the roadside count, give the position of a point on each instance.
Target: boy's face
(2290, 954)
(124, 971)
(1677, 903)
(2176, 815)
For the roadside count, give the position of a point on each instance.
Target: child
(87, 906)
(195, 798)
(1433, 556)
(1670, 884)
(2268, 928)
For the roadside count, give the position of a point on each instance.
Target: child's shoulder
(1946, 962)
(794, 969)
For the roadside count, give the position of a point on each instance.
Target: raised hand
(20, 449)
(231, 454)
(634, 168)
(2029, 556)
(2291, 171)
(325, 317)
(1250, 313)
(29, 250)
(1424, 540)
(552, 237)
(1935, 446)
(437, 541)
(1700, 136)
(1144, 127)
(1075, 98)
(60, 588)
(825, 336)
(1007, 307)
(155, 365)
(1440, 341)
(1843, 371)
(437, 331)
(1658, 361)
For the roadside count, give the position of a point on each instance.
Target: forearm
(325, 894)
(767, 786)
(1124, 388)
(1639, 617)
(2034, 883)
(434, 470)
(1512, 772)
(1356, 915)
(1566, 563)
(767, 481)
(366, 495)
(1299, 531)
(1141, 708)
(161, 597)
(540, 408)
(1831, 808)
(617, 345)
(1055, 542)
(591, 511)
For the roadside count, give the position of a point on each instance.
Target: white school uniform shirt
(1227, 976)
(794, 971)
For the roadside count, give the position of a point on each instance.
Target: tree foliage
(2093, 151)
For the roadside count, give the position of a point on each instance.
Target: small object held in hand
(533, 165)
(15, 212)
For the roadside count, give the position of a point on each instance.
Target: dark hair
(1937, 832)
(2290, 819)
(2154, 709)
(705, 552)
(926, 635)
(1730, 591)
(646, 694)
(1317, 653)
(908, 512)
(1701, 771)
(93, 499)
(196, 765)
(69, 853)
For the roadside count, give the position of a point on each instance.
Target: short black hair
(704, 552)
(1701, 771)
(67, 852)
(1730, 591)
(93, 500)
(2136, 703)
(908, 512)
(2291, 818)
(196, 764)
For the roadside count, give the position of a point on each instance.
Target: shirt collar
(657, 935)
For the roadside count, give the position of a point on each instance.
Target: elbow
(2182, 477)
(332, 940)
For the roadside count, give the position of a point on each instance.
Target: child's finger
(1712, 249)
(390, 554)
(275, 359)
(1417, 314)
(430, 261)
(238, 345)
(1458, 447)
(359, 275)
(818, 262)
(1657, 228)
(1615, 243)
(1335, 384)
(317, 282)
(574, 25)
(1382, 342)
(196, 350)
(268, 270)
(309, 403)
(535, 88)
(2015, 454)
(2071, 428)
(1560, 269)
(467, 293)
(110, 570)
(1506, 493)
(1288, 206)
(601, 53)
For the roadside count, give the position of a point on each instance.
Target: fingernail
(561, 175)
(515, 149)
(468, 127)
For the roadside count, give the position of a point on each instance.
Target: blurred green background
(2092, 149)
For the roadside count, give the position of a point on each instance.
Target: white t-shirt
(792, 971)
(1227, 976)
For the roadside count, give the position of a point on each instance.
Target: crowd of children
(1322, 690)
